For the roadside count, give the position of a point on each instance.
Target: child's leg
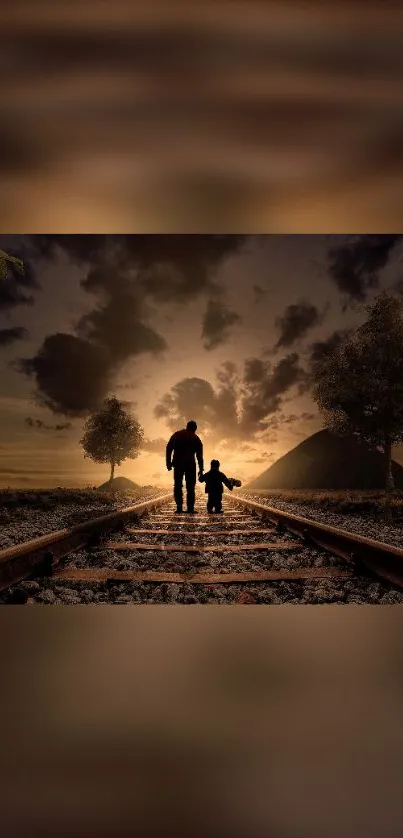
(215, 502)
(210, 505)
(218, 506)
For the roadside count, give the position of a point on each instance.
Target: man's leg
(190, 478)
(178, 491)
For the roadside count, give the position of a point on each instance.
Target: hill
(120, 484)
(328, 461)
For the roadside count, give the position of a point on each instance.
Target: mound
(119, 484)
(328, 461)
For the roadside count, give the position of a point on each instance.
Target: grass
(48, 499)
(368, 501)
(346, 502)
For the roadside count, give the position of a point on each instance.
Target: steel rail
(41, 555)
(377, 558)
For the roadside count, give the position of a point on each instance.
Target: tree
(359, 386)
(112, 435)
(6, 260)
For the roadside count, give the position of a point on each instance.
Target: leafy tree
(359, 387)
(112, 435)
(6, 260)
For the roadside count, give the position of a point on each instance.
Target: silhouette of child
(214, 480)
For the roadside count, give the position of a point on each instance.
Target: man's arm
(199, 454)
(168, 453)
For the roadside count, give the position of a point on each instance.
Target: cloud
(260, 293)
(8, 336)
(25, 471)
(188, 399)
(118, 326)
(296, 321)
(166, 267)
(263, 458)
(217, 320)
(72, 375)
(264, 388)
(355, 264)
(320, 349)
(239, 407)
(278, 420)
(154, 446)
(38, 423)
(73, 372)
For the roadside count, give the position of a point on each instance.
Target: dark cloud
(239, 407)
(398, 286)
(264, 389)
(73, 373)
(118, 326)
(79, 248)
(165, 267)
(321, 349)
(217, 321)
(296, 321)
(190, 398)
(8, 336)
(356, 263)
(38, 423)
(255, 370)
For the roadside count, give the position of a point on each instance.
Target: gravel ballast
(37, 514)
(371, 525)
(354, 590)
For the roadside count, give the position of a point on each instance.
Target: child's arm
(226, 482)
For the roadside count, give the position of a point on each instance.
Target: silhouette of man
(185, 445)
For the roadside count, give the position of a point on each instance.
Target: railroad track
(147, 544)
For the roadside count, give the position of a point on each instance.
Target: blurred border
(226, 116)
(211, 720)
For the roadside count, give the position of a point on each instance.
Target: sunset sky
(219, 329)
